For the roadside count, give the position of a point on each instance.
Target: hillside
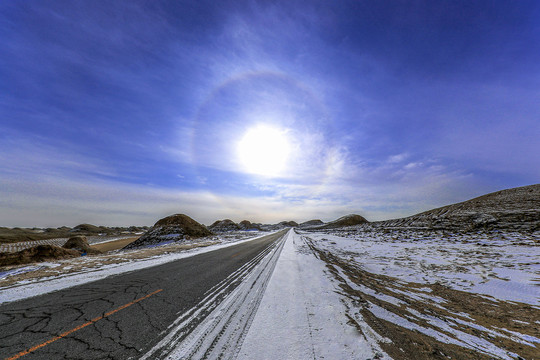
(11, 235)
(511, 209)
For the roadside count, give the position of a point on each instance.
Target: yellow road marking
(34, 348)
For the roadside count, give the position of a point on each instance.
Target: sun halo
(263, 150)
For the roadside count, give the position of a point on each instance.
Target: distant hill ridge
(311, 223)
(512, 209)
(347, 220)
(26, 234)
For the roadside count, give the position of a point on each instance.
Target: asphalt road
(122, 316)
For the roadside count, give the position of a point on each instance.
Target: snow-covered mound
(511, 209)
(172, 228)
(224, 226)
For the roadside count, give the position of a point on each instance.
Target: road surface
(141, 313)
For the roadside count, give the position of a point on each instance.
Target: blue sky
(119, 113)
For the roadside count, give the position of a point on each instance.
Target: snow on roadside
(506, 268)
(451, 295)
(301, 316)
(39, 286)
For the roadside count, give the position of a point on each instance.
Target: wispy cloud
(54, 193)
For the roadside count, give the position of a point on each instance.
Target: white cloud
(397, 158)
(413, 165)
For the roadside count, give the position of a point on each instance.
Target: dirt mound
(512, 209)
(182, 222)
(247, 225)
(80, 243)
(176, 227)
(347, 220)
(224, 226)
(37, 254)
(90, 229)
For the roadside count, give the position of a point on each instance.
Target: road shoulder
(301, 316)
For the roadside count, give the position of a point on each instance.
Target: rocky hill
(226, 225)
(247, 225)
(512, 209)
(178, 227)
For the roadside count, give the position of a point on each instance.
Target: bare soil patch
(115, 244)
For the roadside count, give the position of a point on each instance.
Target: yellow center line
(34, 348)
(234, 255)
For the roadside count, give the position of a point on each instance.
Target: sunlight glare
(264, 150)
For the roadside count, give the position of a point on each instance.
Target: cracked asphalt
(130, 331)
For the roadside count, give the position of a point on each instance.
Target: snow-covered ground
(353, 295)
(301, 315)
(503, 265)
(449, 294)
(285, 308)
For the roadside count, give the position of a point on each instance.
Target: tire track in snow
(227, 312)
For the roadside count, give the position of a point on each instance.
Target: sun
(263, 150)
